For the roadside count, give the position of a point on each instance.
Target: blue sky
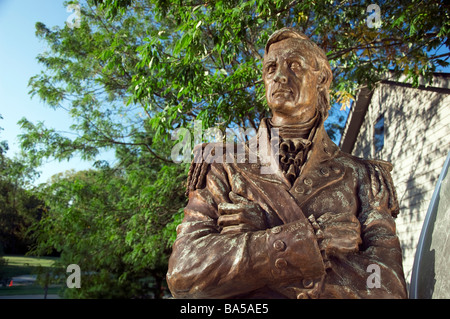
(18, 50)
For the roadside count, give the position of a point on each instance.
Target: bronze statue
(315, 227)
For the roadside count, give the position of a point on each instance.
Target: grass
(21, 265)
(26, 265)
(28, 290)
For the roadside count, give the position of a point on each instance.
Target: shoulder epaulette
(197, 170)
(384, 168)
(200, 163)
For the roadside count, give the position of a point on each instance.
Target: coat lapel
(320, 170)
(273, 192)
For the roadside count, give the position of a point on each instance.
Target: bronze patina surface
(313, 227)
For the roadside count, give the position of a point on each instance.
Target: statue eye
(295, 66)
(271, 68)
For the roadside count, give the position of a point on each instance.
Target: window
(378, 135)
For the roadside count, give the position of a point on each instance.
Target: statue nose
(280, 77)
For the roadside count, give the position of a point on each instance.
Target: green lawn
(28, 290)
(26, 265)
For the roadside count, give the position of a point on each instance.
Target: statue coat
(285, 259)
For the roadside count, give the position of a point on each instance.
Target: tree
(209, 66)
(19, 207)
(136, 70)
(108, 222)
(3, 264)
(90, 81)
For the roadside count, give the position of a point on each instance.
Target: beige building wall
(416, 142)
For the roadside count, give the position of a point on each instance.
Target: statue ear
(321, 80)
(324, 79)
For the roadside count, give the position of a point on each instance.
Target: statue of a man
(320, 225)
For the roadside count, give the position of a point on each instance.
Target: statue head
(297, 77)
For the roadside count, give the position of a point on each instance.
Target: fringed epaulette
(197, 170)
(204, 154)
(383, 168)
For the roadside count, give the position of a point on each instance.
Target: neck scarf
(295, 143)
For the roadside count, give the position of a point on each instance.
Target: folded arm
(209, 263)
(352, 274)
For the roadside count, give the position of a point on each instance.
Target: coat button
(281, 263)
(299, 189)
(302, 295)
(326, 150)
(337, 170)
(308, 181)
(308, 283)
(276, 230)
(324, 171)
(279, 245)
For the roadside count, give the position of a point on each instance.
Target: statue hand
(341, 233)
(240, 216)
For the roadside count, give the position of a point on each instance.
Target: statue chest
(330, 187)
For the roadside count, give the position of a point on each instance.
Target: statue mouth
(282, 91)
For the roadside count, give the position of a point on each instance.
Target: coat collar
(320, 170)
(323, 149)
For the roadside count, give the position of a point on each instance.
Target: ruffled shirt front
(295, 143)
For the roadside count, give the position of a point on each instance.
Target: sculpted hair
(322, 64)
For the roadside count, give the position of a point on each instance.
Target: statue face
(290, 79)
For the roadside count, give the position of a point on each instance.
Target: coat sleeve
(376, 270)
(207, 264)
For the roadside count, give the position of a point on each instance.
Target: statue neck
(299, 130)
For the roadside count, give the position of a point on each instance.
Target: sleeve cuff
(294, 252)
